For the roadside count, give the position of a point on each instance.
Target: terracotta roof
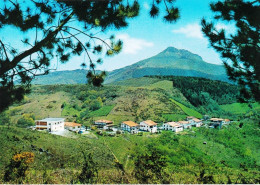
(196, 120)
(130, 123)
(216, 119)
(150, 122)
(71, 124)
(104, 121)
(173, 124)
(227, 120)
(183, 122)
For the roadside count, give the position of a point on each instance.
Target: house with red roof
(173, 126)
(149, 126)
(130, 126)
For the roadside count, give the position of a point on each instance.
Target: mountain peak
(170, 49)
(179, 53)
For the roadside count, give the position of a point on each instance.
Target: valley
(230, 154)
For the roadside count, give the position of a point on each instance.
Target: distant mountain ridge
(77, 76)
(170, 62)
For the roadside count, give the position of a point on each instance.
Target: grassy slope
(187, 110)
(136, 100)
(66, 159)
(133, 82)
(240, 108)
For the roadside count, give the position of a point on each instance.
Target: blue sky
(146, 37)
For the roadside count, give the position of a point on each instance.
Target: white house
(173, 126)
(197, 122)
(185, 124)
(72, 126)
(218, 122)
(103, 123)
(149, 126)
(50, 124)
(130, 126)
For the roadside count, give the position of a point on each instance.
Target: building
(72, 126)
(197, 122)
(149, 126)
(185, 124)
(130, 126)
(227, 121)
(189, 118)
(217, 122)
(173, 126)
(103, 123)
(50, 124)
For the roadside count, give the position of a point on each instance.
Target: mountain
(62, 77)
(171, 61)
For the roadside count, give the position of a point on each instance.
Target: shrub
(18, 167)
(26, 120)
(89, 171)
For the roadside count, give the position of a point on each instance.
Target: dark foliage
(149, 167)
(199, 91)
(89, 171)
(240, 51)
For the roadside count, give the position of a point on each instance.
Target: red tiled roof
(130, 123)
(196, 120)
(71, 124)
(104, 121)
(173, 124)
(150, 122)
(183, 122)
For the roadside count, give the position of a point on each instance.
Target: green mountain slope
(62, 77)
(171, 61)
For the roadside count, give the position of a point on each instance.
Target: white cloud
(229, 28)
(221, 26)
(146, 6)
(190, 30)
(133, 45)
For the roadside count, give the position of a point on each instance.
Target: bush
(26, 120)
(4, 119)
(93, 128)
(89, 171)
(18, 167)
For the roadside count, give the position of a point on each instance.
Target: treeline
(199, 90)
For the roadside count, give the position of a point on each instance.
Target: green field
(133, 82)
(103, 111)
(240, 108)
(174, 117)
(188, 111)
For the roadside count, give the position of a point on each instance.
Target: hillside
(170, 62)
(144, 98)
(137, 99)
(199, 155)
(59, 160)
(62, 77)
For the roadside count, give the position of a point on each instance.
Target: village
(53, 125)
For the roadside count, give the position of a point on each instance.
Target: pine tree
(62, 29)
(241, 50)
